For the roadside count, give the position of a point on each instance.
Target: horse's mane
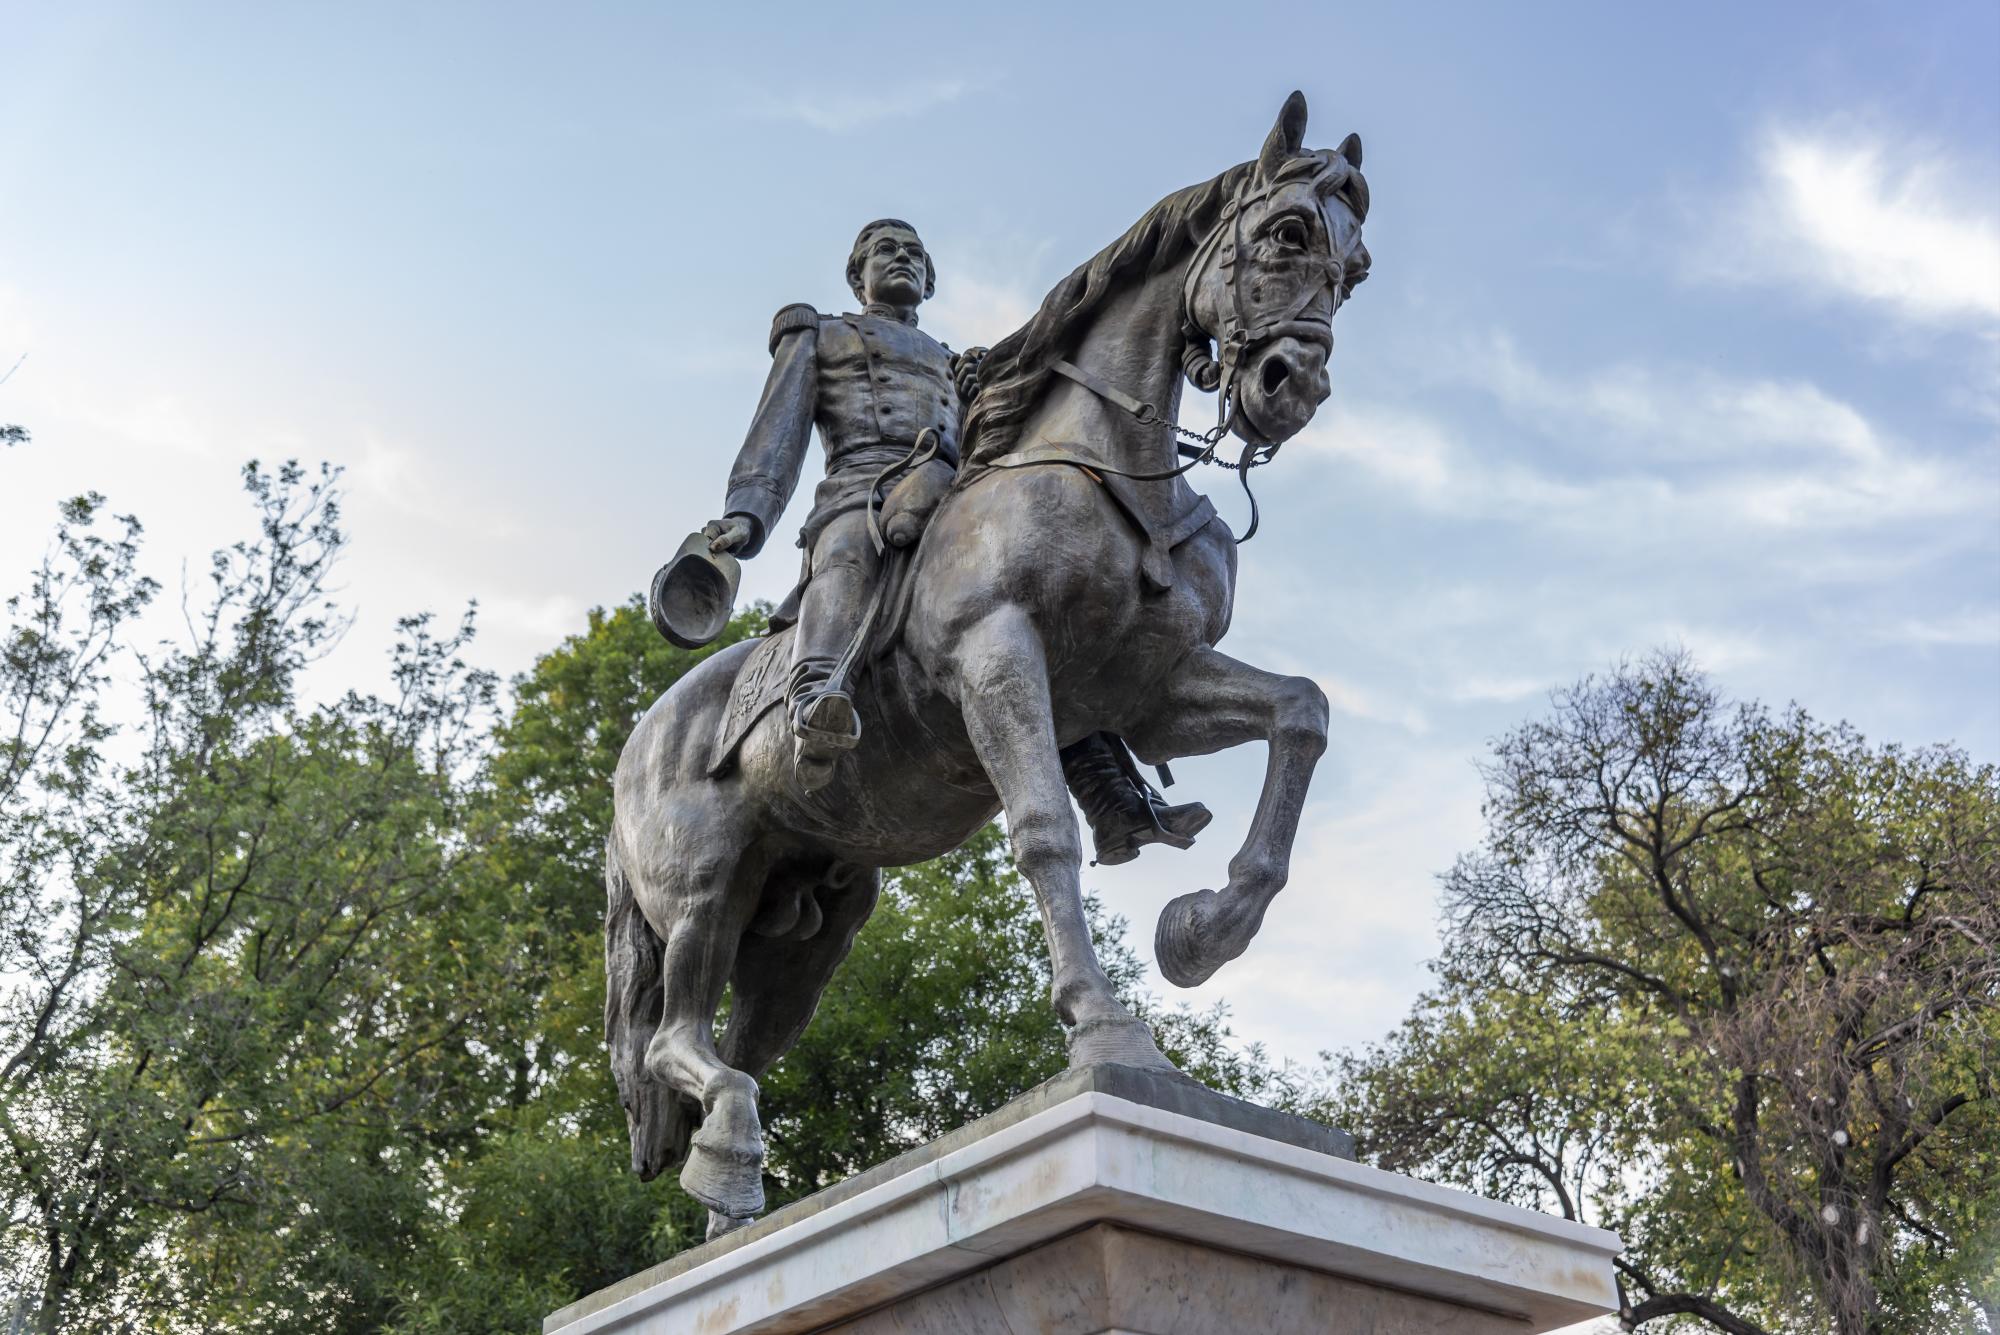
(1012, 376)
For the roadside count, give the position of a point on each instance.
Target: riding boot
(1124, 811)
(824, 722)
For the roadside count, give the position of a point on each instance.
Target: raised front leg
(1213, 702)
(1004, 693)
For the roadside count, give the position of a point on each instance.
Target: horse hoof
(719, 1224)
(1117, 1042)
(728, 1181)
(1180, 939)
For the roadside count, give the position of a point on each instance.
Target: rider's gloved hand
(727, 533)
(965, 372)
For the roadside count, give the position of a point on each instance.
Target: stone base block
(1111, 1201)
(1108, 1280)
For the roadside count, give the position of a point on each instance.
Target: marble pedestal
(1112, 1201)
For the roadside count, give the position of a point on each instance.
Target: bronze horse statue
(1071, 582)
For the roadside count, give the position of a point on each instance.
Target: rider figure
(873, 382)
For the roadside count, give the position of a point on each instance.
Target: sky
(1683, 330)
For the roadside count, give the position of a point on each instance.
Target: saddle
(765, 675)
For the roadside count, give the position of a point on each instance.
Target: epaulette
(790, 320)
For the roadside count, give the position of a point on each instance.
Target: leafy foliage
(227, 972)
(1723, 981)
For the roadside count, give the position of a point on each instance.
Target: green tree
(232, 1002)
(1724, 981)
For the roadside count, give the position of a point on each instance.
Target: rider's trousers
(842, 578)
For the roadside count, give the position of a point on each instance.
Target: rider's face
(892, 268)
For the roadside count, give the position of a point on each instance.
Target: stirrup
(827, 721)
(1179, 825)
(823, 726)
(1174, 826)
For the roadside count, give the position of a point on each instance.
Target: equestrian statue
(1009, 592)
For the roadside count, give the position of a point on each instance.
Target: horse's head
(1265, 283)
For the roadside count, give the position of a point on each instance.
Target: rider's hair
(855, 256)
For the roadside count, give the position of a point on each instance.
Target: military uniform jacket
(870, 382)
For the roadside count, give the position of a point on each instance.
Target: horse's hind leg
(1004, 695)
(701, 907)
(779, 979)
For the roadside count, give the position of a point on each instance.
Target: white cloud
(1408, 450)
(543, 620)
(1477, 689)
(1427, 464)
(1358, 702)
(1968, 627)
(404, 480)
(1852, 214)
(17, 329)
(838, 111)
(1682, 412)
(387, 471)
(1661, 450)
(1347, 697)
(971, 310)
(1716, 648)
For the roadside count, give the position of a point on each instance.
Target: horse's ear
(1350, 148)
(1286, 135)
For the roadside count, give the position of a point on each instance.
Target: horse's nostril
(1275, 372)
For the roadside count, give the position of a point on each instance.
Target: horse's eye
(1291, 232)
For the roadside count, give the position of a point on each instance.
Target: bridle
(1220, 249)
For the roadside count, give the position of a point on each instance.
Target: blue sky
(1684, 327)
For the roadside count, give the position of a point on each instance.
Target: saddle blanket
(760, 685)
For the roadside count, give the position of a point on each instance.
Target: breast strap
(1156, 566)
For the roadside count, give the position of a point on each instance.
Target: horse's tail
(634, 994)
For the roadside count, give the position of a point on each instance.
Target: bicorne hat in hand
(694, 593)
